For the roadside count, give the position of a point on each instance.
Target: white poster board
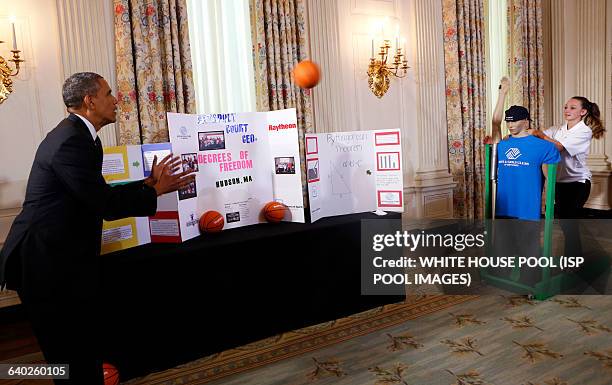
(241, 161)
(352, 172)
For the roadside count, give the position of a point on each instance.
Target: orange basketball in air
(111, 374)
(211, 222)
(306, 74)
(274, 212)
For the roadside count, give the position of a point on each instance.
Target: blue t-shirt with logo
(519, 178)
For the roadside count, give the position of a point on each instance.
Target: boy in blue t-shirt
(519, 168)
(520, 158)
(520, 162)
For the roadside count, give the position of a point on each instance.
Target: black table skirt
(167, 304)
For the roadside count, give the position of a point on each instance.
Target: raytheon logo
(513, 153)
(281, 126)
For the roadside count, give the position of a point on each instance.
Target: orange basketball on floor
(306, 74)
(111, 374)
(274, 211)
(211, 222)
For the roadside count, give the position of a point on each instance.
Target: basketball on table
(111, 374)
(211, 222)
(274, 212)
(306, 74)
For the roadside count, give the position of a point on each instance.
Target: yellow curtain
(466, 89)
(154, 73)
(280, 41)
(526, 58)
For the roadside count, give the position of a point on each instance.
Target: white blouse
(577, 143)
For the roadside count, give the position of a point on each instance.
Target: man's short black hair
(79, 85)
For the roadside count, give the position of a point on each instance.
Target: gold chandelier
(381, 69)
(6, 83)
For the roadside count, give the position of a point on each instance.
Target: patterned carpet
(437, 340)
(284, 346)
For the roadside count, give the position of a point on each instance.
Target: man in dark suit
(52, 253)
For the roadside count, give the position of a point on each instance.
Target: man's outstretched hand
(168, 163)
(168, 182)
(164, 177)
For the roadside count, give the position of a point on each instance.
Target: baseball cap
(516, 113)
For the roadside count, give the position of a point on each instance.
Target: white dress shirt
(577, 143)
(92, 129)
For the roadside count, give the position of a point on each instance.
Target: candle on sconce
(372, 47)
(397, 33)
(12, 19)
(14, 38)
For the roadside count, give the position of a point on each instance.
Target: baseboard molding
(597, 214)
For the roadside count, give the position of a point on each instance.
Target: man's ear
(88, 102)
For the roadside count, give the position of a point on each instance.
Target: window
(221, 52)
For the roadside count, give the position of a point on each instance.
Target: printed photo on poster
(285, 165)
(211, 140)
(190, 162)
(312, 170)
(188, 192)
(232, 217)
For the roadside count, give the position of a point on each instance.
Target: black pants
(570, 199)
(68, 332)
(66, 325)
(569, 208)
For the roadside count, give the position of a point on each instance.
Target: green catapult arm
(551, 181)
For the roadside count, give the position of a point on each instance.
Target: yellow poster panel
(118, 235)
(115, 165)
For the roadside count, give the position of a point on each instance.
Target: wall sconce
(379, 71)
(6, 84)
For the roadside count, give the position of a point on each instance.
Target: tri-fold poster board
(352, 172)
(242, 161)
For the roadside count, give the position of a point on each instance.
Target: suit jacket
(53, 247)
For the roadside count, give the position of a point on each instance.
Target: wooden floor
(18, 344)
(16, 338)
